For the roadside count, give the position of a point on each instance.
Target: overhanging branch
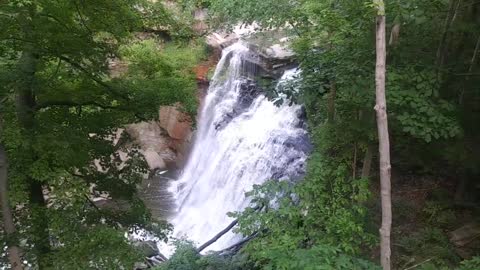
(70, 103)
(97, 80)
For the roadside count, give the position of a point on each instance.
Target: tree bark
(383, 137)
(14, 252)
(331, 101)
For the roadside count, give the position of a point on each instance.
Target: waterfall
(242, 139)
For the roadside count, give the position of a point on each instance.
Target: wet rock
(302, 116)
(248, 92)
(219, 41)
(300, 143)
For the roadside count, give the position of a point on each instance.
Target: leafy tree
(60, 109)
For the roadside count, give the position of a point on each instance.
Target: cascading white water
(243, 139)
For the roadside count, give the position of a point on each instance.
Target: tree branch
(110, 88)
(70, 103)
(81, 18)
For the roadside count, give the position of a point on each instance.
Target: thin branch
(56, 70)
(418, 264)
(8, 15)
(474, 57)
(56, 20)
(81, 18)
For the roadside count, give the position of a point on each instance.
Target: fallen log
(224, 231)
(237, 246)
(217, 236)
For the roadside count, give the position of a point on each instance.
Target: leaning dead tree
(217, 236)
(383, 137)
(226, 230)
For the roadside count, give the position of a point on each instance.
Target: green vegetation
(61, 101)
(59, 110)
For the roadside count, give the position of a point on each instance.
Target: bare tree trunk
(470, 70)
(367, 161)
(217, 236)
(383, 137)
(394, 34)
(475, 55)
(14, 252)
(451, 16)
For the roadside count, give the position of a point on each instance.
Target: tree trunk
(395, 34)
(383, 137)
(469, 72)
(25, 108)
(331, 101)
(14, 252)
(217, 236)
(367, 162)
(451, 16)
(474, 56)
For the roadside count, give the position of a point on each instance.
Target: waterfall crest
(243, 139)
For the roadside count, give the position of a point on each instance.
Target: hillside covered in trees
(389, 93)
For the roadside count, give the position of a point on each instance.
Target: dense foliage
(432, 93)
(62, 103)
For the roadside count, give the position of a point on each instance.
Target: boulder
(154, 143)
(154, 160)
(176, 123)
(279, 52)
(221, 40)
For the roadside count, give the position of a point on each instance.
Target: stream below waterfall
(242, 139)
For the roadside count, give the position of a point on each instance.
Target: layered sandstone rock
(163, 143)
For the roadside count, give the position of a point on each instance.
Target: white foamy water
(242, 139)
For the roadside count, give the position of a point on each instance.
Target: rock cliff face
(273, 53)
(164, 143)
